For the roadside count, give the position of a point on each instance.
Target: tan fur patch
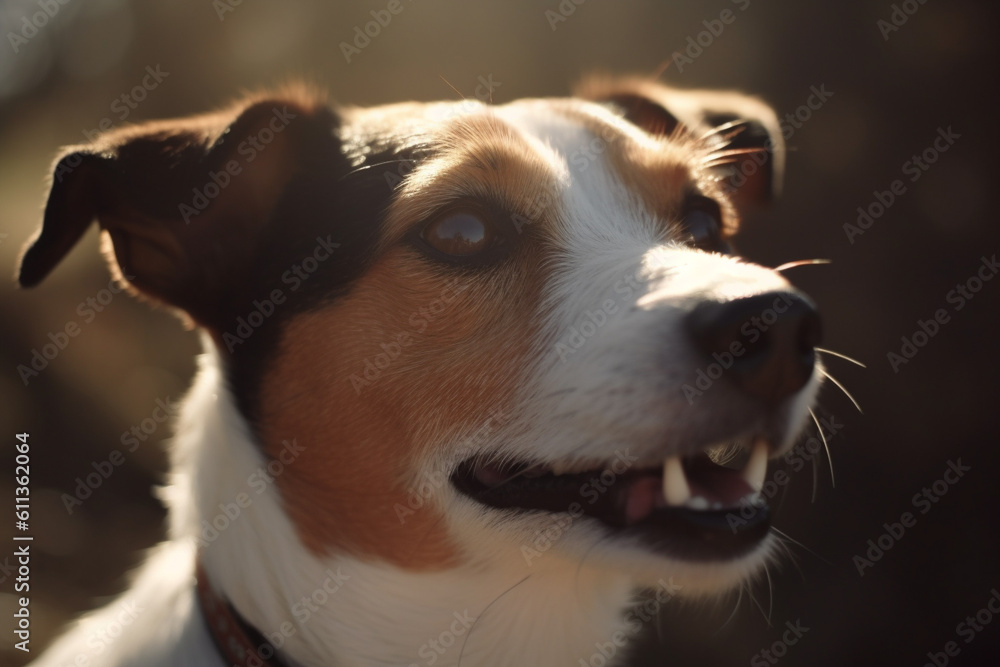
(482, 159)
(443, 349)
(660, 169)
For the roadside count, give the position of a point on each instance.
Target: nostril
(771, 339)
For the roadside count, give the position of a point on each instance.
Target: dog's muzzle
(699, 505)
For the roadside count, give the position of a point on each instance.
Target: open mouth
(703, 506)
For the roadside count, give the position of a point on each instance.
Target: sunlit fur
(607, 234)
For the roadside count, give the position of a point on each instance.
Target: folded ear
(743, 125)
(183, 201)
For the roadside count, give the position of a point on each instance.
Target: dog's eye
(459, 234)
(702, 221)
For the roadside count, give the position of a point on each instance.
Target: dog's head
(507, 334)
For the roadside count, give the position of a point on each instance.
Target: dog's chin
(569, 542)
(690, 578)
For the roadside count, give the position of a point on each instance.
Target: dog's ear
(183, 202)
(743, 125)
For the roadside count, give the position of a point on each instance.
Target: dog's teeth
(755, 469)
(675, 484)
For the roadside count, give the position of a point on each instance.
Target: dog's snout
(764, 344)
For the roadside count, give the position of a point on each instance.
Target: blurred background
(901, 76)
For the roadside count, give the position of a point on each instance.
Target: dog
(474, 376)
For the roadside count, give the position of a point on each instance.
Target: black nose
(764, 344)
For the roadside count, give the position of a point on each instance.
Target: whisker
(826, 446)
(753, 599)
(660, 70)
(659, 624)
(483, 613)
(794, 541)
(714, 156)
(815, 489)
(365, 167)
(842, 356)
(802, 262)
(720, 161)
(736, 608)
(842, 388)
(739, 125)
(770, 593)
(790, 555)
(583, 559)
(451, 86)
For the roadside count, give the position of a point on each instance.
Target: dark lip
(678, 532)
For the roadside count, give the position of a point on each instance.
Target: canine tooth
(675, 484)
(755, 469)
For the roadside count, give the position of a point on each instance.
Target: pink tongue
(713, 483)
(718, 485)
(644, 494)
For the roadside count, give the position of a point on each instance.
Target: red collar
(239, 643)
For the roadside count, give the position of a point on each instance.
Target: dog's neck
(344, 610)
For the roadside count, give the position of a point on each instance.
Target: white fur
(543, 592)
(380, 615)
(621, 390)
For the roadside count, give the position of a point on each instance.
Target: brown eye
(702, 220)
(459, 234)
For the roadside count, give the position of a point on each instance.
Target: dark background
(891, 97)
